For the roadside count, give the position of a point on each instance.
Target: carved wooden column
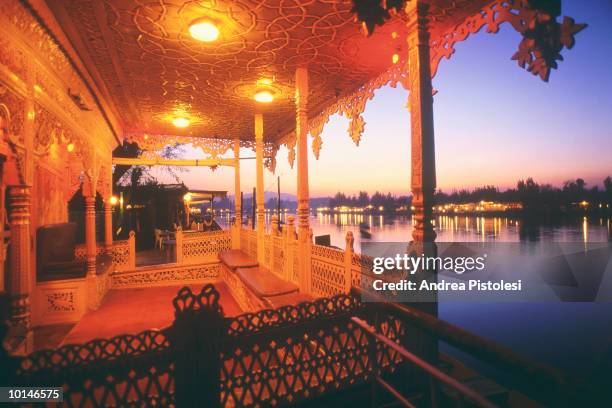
(259, 134)
(108, 224)
(423, 181)
(237, 196)
(348, 261)
(20, 274)
(303, 210)
(3, 246)
(274, 226)
(420, 103)
(90, 234)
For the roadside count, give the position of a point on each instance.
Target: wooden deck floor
(155, 256)
(130, 311)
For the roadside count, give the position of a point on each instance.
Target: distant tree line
(532, 195)
(363, 199)
(538, 197)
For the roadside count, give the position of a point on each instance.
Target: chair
(159, 243)
(55, 245)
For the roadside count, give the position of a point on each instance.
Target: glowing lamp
(180, 122)
(264, 96)
(187, 197)
(113, 200)
(395, 58)
(204, 30)
(70, 147)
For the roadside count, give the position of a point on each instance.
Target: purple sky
(494, 122)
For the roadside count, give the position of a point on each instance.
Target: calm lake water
(576, 337)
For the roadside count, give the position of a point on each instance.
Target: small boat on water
(364, 230)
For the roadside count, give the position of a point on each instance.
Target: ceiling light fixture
(180, 122)
(204, 30)
(264, 96)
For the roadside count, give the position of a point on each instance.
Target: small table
(168, 243)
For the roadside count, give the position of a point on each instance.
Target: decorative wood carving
(543, 36)
(420, 105)
(155, 70)
(19, 204)
(539, 50)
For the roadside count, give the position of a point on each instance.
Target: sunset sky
(494, 123)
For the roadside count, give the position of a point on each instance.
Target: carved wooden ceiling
(154, 70)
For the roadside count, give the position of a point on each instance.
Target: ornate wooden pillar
(303, 210)
(259, 134)
(3, 232)
(423, 182)
(420, 103)
(90, 234)
(19, 278)
(237, 196)
(108, 223)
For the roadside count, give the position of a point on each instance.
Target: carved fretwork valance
(543, 36)
(213, 148)
(539, 50)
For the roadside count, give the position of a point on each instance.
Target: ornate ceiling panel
(156, 71)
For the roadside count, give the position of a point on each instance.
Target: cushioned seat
(289, 299)
(235, 258)
(55, 244)
(264, 283)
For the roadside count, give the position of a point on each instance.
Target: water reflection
(452, 228)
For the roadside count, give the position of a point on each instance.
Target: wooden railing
(248, 242)
(540, 382)
(461, 393)
(275, 357)
(280, 249)
(123, 253)
(333, 270)
(201, 246)
(270, 358)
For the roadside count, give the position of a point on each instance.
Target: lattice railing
(329, 274)
(80, 251)
(278, 257)
(123, 253)
(267, 249)
(361, 270)
(295, 271)
(169, 274)
(298, 352)
(203, 246)
(248, 242)
(127, 370)
(269, 358)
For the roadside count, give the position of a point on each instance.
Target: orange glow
(264, 81)
(187, 197)
(70, 147)
(204, 30)
(180, 122)
(395, 58)
(113, 200)
(264, 96)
